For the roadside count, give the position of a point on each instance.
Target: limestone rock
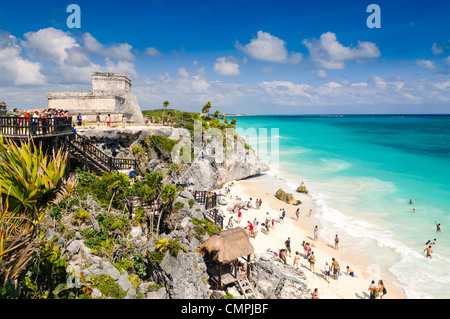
(273, 280)
(286, 197)
(302, 189)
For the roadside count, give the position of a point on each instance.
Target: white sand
(345, 287)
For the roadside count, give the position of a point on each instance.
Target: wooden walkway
(29, 127)
(90, 155)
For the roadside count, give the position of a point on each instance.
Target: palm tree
(206, 108)
(165, 104)
(168, 194)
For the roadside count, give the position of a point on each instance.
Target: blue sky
(243, 56)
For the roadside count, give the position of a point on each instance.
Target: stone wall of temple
(110, 94)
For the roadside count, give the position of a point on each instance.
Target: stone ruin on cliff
(110, 94)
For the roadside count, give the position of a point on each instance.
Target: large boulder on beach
(286, 197)
(302, 189)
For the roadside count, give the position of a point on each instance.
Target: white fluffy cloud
(226, 66)
(266, 47)
(436, 49)
(13, 67)
(120, 51)
(329, 53)
(151, 51)
(50, 45)
(428, 64)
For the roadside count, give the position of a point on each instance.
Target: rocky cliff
(205, 172)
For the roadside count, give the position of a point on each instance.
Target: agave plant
(28, 178)
(29, 182)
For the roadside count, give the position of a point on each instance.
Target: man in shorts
(287, 243)
(335, 267)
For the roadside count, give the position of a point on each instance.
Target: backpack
(384, 291)
(376, 293)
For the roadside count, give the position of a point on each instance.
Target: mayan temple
(110, 94)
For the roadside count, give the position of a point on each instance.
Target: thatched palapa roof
(228, 244)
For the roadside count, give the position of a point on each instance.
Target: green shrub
(108, 286)
(81, 216)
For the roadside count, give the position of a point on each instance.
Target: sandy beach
(345, 287)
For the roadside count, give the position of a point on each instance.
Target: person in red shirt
(251, 228)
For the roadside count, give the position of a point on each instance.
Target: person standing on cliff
(98, 119)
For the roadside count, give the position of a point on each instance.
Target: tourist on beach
(335, 268)
(373, 290)
(239, 216)
(428, 251)
(260, 203)
(438, 227)
(266, 225)
(429, 240)
(283, 256)
(410, 202)
(312, 261)
(251, 228)
(336, 242)
(296, 260)
(381, 289)
(350, 272)
(255, 222)
(327, 272)
(281, 217)
(230, 223)
(316, 233)
(287, 243)
(315, 294)
(297, 213)
(433, 242)
(306, 249)
(310, 212)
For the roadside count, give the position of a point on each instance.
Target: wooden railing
(94, 154)
(14, 126)
(209, 199)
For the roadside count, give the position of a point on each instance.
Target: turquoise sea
(361, 171)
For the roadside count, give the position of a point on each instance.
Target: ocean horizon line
(352, 115)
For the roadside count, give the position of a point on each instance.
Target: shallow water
(362, 171)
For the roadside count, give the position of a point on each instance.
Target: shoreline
(345, 287)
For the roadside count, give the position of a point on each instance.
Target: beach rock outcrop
(302, 189)
(286, 197)
(273, 280)
(83, 262)
(184, 276)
